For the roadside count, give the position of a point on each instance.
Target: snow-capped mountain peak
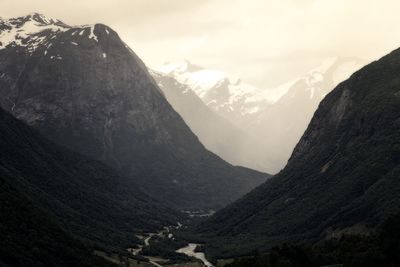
(178, 67)
(42, 19)
(219, 90)
(26, 31)
(34, 30)
(200, 79)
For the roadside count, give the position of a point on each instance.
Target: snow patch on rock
(26, 31)
(92, 35)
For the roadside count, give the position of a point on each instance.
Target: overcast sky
(265, 42)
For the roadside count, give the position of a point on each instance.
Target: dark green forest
(88, 198)
(381, 248)
(30, 238)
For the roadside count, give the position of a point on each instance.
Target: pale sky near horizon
(265, 42)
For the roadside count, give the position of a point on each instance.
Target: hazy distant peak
(179, 67)
(330, 72)
(325, 65)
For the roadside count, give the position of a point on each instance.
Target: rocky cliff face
(85, 89)
(342, 174)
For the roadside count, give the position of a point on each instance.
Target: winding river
(189, 250)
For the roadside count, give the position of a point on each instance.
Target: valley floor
(142, 259)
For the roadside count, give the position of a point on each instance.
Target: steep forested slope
(88, 198)
(30, 238)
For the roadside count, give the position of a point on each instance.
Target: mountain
(29, 238)
(275, 118)
(342, 175)
(227, 96)
(217, 134)
(85, 89)
(282, 124)
(87, 198)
